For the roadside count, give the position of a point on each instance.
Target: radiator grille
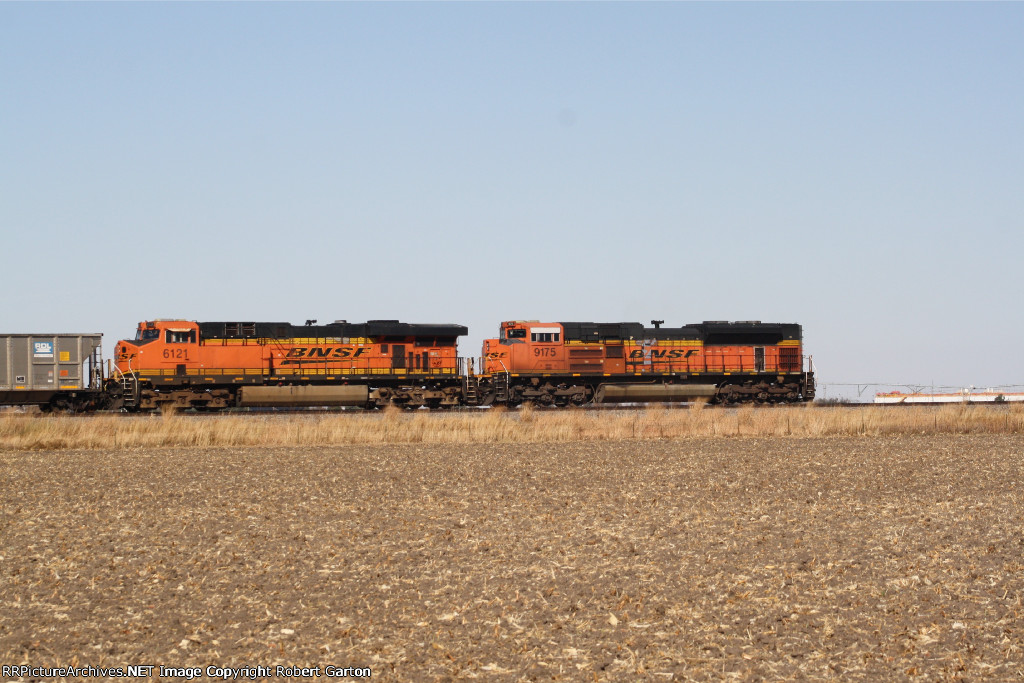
(585, 367)
(789, 359)
(579, 354)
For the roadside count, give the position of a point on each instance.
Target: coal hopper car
(52, 371)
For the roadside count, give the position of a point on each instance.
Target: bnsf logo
(312, 354)
(666, 353)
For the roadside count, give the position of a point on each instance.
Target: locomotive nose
(124, 351)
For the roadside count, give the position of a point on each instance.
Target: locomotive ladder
(128, 391)
(471, 390)
(501, 387)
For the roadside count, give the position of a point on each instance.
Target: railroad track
(612, 407)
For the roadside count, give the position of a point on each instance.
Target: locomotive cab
(525, 346)
(167, 345)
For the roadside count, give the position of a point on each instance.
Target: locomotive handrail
(121, 373)
(465, 365)
(716, 363)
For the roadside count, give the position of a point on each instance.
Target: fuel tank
(651, 393)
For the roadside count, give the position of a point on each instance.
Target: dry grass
(19, 432)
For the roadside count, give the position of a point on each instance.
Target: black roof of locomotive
(369, 329)
(709, 332)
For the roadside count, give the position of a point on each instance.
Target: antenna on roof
(310, 322)
(657, 323)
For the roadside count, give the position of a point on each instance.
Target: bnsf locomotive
(576, 363)
(217, 365)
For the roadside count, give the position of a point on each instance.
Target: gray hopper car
(53, 371)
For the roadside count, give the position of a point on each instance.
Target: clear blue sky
(856, 168)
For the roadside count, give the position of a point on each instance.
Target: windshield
(144, 334)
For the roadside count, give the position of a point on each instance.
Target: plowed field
(703, 559)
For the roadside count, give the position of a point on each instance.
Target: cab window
(544, 336)
(146, 334)
(517, 334)
(180, 337)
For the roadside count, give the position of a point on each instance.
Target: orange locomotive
(224, 364)
(576, 363)
(385, 362)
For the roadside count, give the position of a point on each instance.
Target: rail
(481, 410)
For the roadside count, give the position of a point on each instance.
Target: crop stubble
(897, 557)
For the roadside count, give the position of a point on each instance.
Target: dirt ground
(861, 558)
